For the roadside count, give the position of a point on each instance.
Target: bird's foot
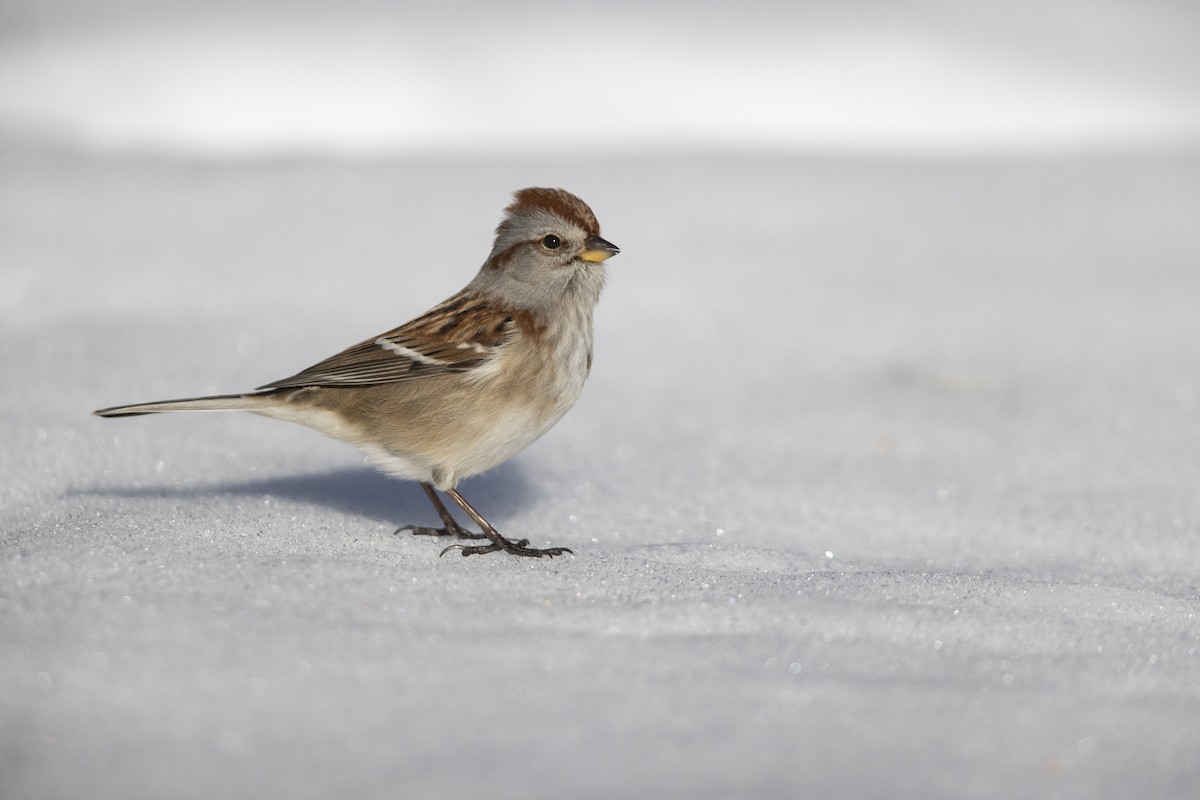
(520, 547)
(454, 530)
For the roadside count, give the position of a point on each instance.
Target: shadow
(359, 490)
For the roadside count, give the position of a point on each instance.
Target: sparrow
(469, 383)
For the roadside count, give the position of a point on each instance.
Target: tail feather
(222, 402)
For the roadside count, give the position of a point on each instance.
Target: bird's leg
(517, 548)
(452, 528)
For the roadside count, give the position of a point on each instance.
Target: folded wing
(455, 336)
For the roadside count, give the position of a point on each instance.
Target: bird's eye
(551, 242)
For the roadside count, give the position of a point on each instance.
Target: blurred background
(883, 485)
(373, 78)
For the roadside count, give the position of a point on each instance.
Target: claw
(516, 547)
(421, 530)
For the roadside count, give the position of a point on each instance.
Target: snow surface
(886, 484)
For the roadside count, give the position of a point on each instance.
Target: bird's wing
(455, 336)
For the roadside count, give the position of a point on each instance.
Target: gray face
(541, 259)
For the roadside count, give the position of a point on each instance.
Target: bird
(469, 383)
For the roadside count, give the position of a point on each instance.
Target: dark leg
(452, 528)
(517, 548)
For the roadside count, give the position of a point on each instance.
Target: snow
(885, 484)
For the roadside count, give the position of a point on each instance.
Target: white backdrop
(530, 77)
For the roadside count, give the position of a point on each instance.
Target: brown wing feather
(459, 334)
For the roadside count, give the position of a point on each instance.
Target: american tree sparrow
(471, 382)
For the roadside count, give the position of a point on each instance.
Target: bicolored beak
(596, 249)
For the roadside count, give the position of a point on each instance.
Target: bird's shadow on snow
(358, 490)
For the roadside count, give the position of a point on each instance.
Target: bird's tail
(221, 402)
